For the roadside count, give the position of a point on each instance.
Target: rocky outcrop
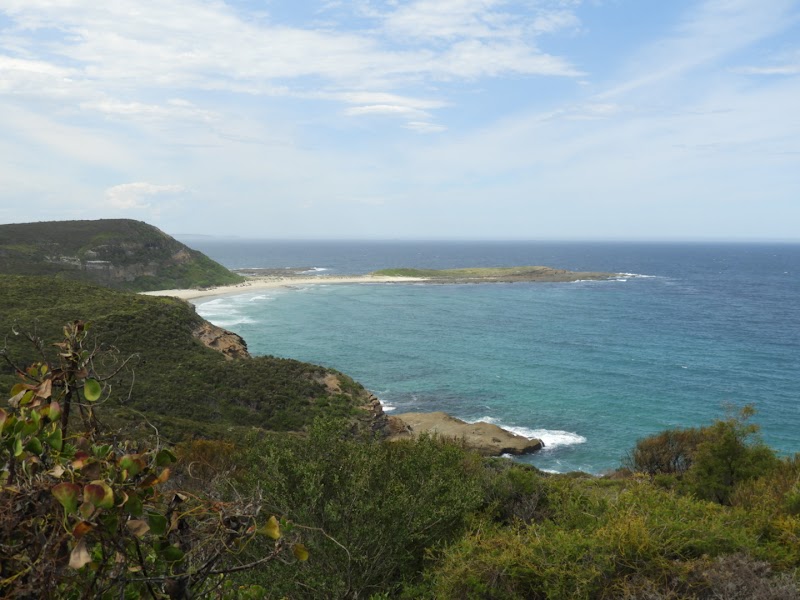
(486, 438)
(232, 346)
(379, 421)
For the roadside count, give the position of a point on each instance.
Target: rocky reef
(486, 438)
(498, 275)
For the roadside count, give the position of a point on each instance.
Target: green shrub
(730, 453)
(670, 452)
(370, 509)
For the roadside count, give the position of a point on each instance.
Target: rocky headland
(486, 438)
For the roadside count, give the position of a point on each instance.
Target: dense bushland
(184, 388)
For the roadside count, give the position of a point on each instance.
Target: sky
(405, 119)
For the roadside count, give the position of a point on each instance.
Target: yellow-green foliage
(600, 543)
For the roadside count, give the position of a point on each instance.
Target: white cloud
(114, 48)
(382, 109)
(776, 70)
(129, 196)
(425, 127)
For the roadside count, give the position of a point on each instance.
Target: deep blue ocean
(589, 367)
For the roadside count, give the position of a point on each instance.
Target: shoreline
(255, 284)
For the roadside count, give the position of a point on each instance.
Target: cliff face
(117, 253)
(229, 344)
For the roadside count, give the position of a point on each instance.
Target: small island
(496, 275)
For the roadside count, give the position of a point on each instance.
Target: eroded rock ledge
(486, 438)
(231, 345)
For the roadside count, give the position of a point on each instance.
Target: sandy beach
(260, 283)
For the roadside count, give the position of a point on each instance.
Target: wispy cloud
(101, 53)
(708, 33)
(127, 196)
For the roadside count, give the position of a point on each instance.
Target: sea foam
(552, 438)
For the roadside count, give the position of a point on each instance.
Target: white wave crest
(552, 438)
(231, 322)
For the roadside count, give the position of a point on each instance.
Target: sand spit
(261, 283)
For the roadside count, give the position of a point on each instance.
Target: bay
(587, 366)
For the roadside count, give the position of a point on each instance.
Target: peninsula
(496, 275)
(259, 279)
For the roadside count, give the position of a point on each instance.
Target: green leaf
(165, 457)
(134, 505)
(101, 451)
(3, 417)
(92, 390)
(172, 553)
(67, 494)
(18, 447)
(157, 522)
(34, 446)
(54, 411)
(29, 427)
(26, 399)
(55, 439)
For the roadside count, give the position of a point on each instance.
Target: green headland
(495, 274)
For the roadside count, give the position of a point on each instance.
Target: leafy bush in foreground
(84, 515)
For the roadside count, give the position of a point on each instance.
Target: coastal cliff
(118, 253)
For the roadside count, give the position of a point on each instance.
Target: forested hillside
(118, 253)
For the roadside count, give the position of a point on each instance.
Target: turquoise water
(589, 366)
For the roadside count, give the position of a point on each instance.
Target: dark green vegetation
(181, 386)
(494, 274)
(118, 253)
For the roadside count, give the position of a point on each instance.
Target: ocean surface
(589, 367)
